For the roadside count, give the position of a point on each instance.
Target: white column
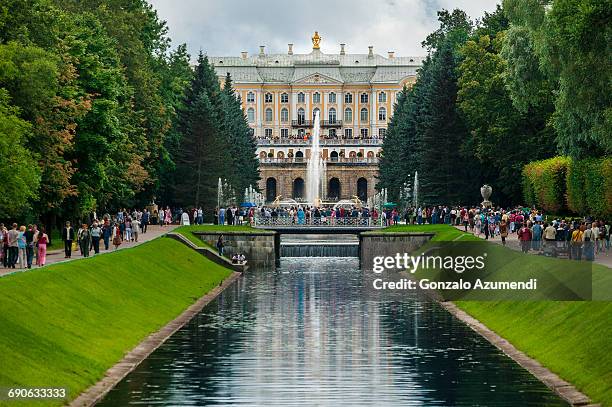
(340, 113)
(373, 113)
(293, 105)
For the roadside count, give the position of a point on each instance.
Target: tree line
(97, 112)
(526, 82)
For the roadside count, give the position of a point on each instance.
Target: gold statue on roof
(316, 40)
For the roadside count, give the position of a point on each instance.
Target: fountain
(219, 193)
(315, 167)
(415, 190)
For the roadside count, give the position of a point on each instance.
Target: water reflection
(310, 334)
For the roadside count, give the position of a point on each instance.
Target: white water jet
(315, 166)
(415, 189)
(219, 193)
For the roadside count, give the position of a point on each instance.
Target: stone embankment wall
(372, 244)
(262, 249)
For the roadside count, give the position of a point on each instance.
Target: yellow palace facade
(354, 95)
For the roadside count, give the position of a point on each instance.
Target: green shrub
(544, 183)
(582, 186)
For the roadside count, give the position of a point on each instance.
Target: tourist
(3, 245)
(135, 229)
(524, 235)
(28, 235)
(67, 237)
(588, 245)
(21, 246)
(96, 235)
(200, 218)
(107, 233)
(596, 236)
(185, 219)
(128, 229)
(536, 232)
(84, 239)
(13, 246)
(116, 236)
(43, 241)
(222, 216)
(576, 242)
(167, 216)
(220, 245)
(144, 221)
(503, 231)
(161, 218)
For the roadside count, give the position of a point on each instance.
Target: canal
(310, 333)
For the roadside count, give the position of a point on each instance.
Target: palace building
(354, 95)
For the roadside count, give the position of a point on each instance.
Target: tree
(241, 144)
(204, 155)
(20, 176)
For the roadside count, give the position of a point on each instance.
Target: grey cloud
(223, 28)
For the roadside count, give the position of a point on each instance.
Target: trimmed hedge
(583, 187)
(544, 183)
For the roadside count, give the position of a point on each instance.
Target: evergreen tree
(241, 144)
(204, 156)
(441, 166)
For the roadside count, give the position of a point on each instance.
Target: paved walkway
(513, 243)
(57, 256)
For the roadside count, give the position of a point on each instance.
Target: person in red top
(524, 235)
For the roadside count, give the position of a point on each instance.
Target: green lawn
(66, 324)
(188, 232)
(572, 339)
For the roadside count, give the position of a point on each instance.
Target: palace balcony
(328, 161)
(331, 123)
(329, 142)
(302, 123)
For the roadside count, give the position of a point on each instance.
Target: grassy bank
(66, 324)
(570, 338)
(188, 231)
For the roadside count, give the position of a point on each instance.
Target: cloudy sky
(227, 27)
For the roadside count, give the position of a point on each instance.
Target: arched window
(263, 154)
(332, 97)
(301, 97)
(284, 98)
(334, 156)
(348, 115)
(270, 189)
(332, 115)
(268, 115)
(284, 115)
(316, 97)
(280, 154)
(301, 115)
(382, 114)
(315, 111)
(301, 133)
(250, 97)
(332, 133)
(299, 154)
(333, 189)
(348, 98)
(362, 189)
(382, 97)
(364, 98)
(363, 116)
(251, 115)
(370, 154)
(353, 154)
(268, 98)
(298, 188)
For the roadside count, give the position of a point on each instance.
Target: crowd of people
(25, 246)
(576, 238)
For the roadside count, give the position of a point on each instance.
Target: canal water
(311, 334)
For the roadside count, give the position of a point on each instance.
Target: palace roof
(328, 68)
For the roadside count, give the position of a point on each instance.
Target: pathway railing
(287, 221)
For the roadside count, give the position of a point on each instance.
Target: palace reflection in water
(311, 334)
